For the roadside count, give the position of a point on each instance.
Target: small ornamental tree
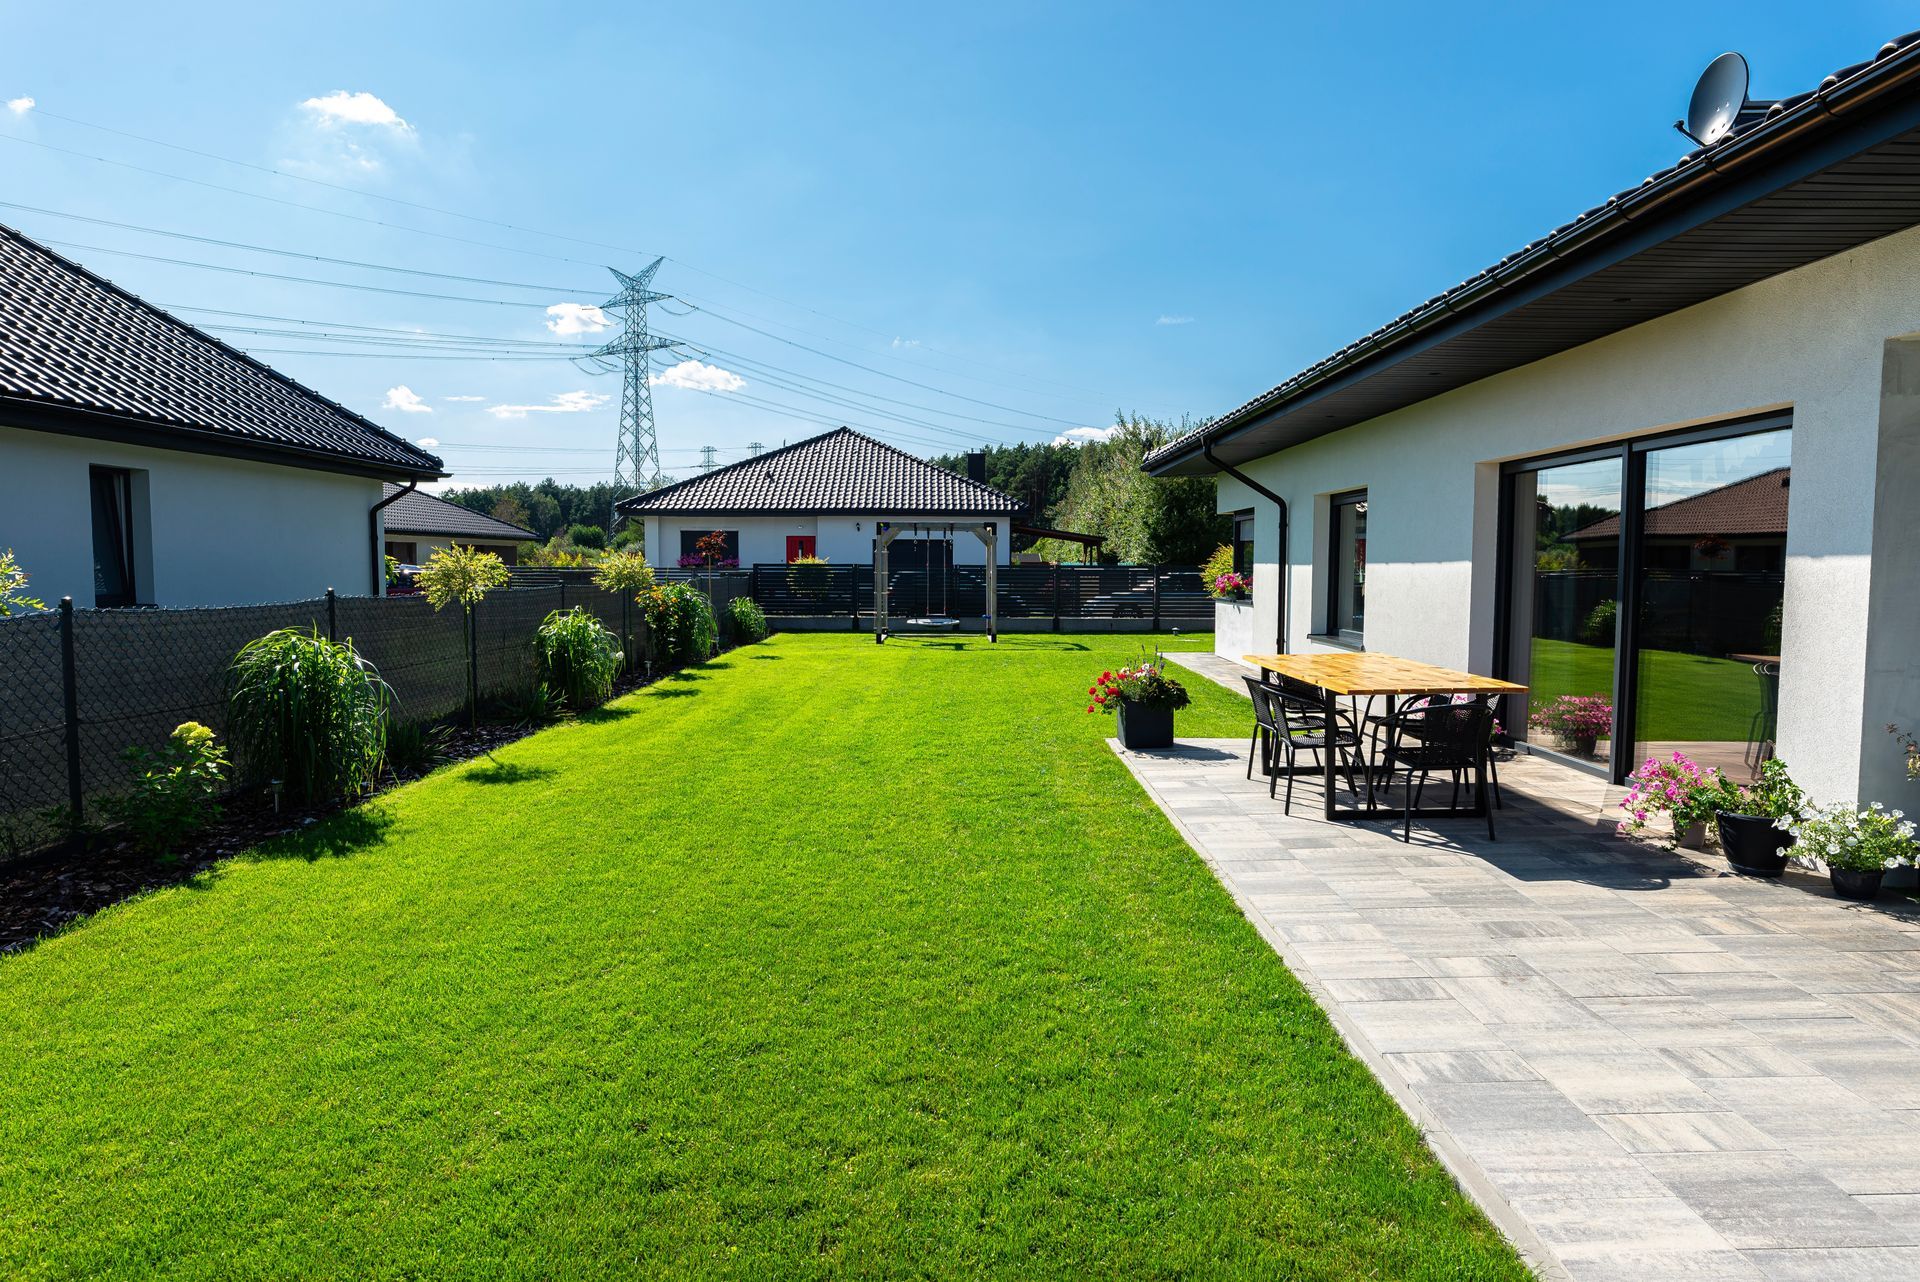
(710, 548)
(465, 575)
(624, 572)
(13, 588)
(461, 574)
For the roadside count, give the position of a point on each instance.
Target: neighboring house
(143, 462)
(419, 524)
(822, 497)
(1653, 373)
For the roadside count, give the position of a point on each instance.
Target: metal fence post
(70, 699)
(1156, 598)
(1056, 596)
(333, 622)
(473, 666)
(563, 596)
(626, 628)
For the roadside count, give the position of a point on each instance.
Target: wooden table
(1351, 673)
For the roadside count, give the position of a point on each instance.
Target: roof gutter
(373, 535)
(1280, 564)
(1895, 68)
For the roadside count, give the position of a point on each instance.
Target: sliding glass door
(1644, 598)
(1566, 559)
(1711, 562)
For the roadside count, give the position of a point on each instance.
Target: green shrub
(579, 658)
(461, 574)
(1598, 628)
(535, 704)
(626, 573)
(632, 538)
(176, 790)
(1218, 562)
(417, 747)
(749, 622)
(309, 712)
(13, 588)
(810, 577)
(680, 624)
(587, 536)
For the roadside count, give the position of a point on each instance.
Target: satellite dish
(1717, 100)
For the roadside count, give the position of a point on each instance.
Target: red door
(799, 545)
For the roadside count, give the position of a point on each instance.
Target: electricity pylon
(636, 465)
(707, 461)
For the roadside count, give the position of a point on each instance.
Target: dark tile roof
(1757, 505)
(78, 353)
(423, 513)
(838, 472)
(1799, 113)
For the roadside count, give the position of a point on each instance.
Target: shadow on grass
(604, 713)
(763, 658)
(497, 772)
(334, 837)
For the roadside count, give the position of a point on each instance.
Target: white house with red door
(824, 497)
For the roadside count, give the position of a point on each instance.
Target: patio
(1640, 1065)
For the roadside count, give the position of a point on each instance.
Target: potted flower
(1231, 586)
(1144, 697)
(1678, 788)
(1857, 846)
(1749, 819)
(1577, 721)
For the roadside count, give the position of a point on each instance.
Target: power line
(291, 253)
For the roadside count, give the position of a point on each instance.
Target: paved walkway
(1643, 1066)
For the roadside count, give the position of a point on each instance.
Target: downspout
(373, 536)
(1280, 632)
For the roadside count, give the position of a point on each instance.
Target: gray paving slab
(1643, 1066)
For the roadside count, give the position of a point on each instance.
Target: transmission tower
(636, 466)
(707, 461)
(754, 448)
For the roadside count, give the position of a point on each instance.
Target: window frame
(690, 536)
(1333, 630)
(121, 495)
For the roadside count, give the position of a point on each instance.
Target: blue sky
(1026, 215)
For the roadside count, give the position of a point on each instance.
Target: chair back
(1454, 732)
(1298, 714)
(1262, 711)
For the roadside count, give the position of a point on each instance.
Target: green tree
(13, 588)
(1145, 519)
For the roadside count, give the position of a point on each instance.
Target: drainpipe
(373, 536)
(1280, 633)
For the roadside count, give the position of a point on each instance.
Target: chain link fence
(80, 687)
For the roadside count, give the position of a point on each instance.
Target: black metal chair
(1440, 736)
(1302, 727)
(1264, 729)
(1376, 728)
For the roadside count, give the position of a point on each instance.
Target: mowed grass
(1682, 696)
(823, 959)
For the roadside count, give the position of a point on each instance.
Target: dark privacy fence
(79, 687)
(1693, 611)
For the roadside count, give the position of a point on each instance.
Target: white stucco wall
(220, 531)
(842, 540)
(1812, 341)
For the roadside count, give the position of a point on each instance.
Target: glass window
(113, 583)
(1713, 547)
(1565, 604)
(1243, 543)
(1347, 584)
(689, 546)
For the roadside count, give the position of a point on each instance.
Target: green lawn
(823, 959)
(1682, 696)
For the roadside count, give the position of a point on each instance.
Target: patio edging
(1452, 1156)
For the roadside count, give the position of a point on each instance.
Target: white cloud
(576, 318)
(697, 377)
(1174, 320)
(564, 403)
(406, 400)
(343, 108)
(20, 106)
(1085, 435)
(427, 443)
(463, 398)
(906, 342)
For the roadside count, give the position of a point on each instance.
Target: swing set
(884, 535)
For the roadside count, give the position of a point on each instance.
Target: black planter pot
(1753, 846)
(1849, 884)
(1146, 725)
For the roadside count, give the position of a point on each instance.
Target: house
(419, 524)
(823, 497)
(1711, 382)
(143, 462)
